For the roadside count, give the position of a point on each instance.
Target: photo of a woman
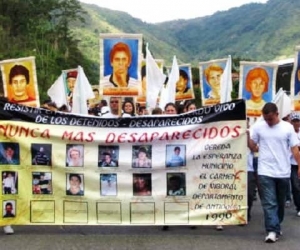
(74, 156)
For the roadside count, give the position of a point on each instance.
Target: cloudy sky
(153, 11)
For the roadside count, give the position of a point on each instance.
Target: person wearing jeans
(277, 140)
(295, 181)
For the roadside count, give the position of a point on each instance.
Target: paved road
(144, 238)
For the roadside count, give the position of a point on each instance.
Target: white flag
(154, 80)
(57, 92)
(226, 82)
(81, 93)
(283, 103)
(168, 92)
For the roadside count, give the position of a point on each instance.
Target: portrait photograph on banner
(184, 86)
(120, 57)
(257, 85)
(210, 80)
(20, 81)
(9, 209)
(295, 80)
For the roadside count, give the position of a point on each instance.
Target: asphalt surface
(250, 236)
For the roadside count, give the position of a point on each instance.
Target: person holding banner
(128, 108)
(115, 109)
(171, 109)
(257, 83)
(277, 140)
(189, 106)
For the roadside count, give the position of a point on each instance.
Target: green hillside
(62, 34)
(259, 32)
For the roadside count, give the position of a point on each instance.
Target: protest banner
(65, 169)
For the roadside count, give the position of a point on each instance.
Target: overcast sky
(153, 11)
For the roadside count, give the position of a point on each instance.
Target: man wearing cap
(277, 140)
(71, 80)
(295, 181)
(120, 60)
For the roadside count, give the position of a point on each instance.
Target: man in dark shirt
(41, 158)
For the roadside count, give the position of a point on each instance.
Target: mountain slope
(260, 32)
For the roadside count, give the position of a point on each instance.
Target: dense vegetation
(42, 29)
(63, 34)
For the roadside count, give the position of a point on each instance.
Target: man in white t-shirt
(115, 108)
(295, 181)
(277, 140)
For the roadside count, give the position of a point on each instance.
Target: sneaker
(298, 213)
(8, 230)
(271, 237)
(219, 228)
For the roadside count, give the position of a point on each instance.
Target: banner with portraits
(210, 80)
(20, 81)
(295, 80)
(120, 60)
(257, 85)
(60, 168)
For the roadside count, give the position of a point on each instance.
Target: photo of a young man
(41, 154)
(175, 155)
(9, 209)
(120, 60)
(108, 156)
(20, 81)
(9, 182)
(9, 153)
(75, 184)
